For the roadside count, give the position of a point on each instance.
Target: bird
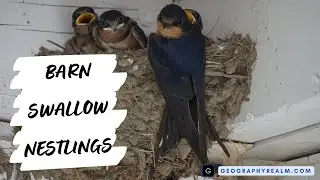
(84, 20)
(117, 31)
(196, 19)
(176, 53)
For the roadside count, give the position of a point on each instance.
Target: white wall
(283, 97)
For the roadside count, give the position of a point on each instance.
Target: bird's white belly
(127, 43)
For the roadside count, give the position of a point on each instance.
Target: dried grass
(230, 64)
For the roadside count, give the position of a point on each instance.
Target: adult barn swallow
(83, 20)
(117, 31)
(195, 18)
(177, 57)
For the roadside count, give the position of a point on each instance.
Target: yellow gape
(190, 16)
(85, 18)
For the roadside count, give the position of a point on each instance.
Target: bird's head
(194, 17)
(172, 21)
(114, 21)
(82, 19)
(83, 16)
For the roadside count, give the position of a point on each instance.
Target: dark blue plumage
(183, 56)
(177, 57)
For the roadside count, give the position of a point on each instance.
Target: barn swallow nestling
(195, 18)
(83, 20)
(177, 57)
(117, 31)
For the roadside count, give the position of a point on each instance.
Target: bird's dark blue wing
(173, 68)
(170, 80)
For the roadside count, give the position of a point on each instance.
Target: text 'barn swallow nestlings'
(177, 57)
(83, 21)
(117, 31)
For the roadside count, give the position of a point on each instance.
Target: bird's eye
(103, 24)
(121, 18)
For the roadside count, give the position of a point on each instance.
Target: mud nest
(230, 63)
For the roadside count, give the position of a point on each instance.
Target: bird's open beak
(190, 16)
(85, 19)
